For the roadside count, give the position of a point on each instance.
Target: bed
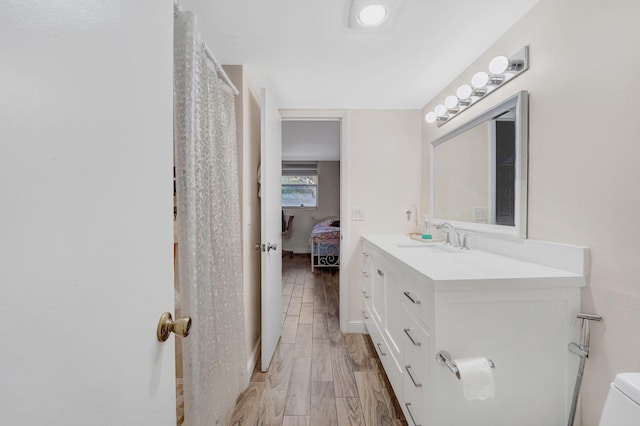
(325, 244)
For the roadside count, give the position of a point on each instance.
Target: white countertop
(445, 264)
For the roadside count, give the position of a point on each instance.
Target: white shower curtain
(208, 229)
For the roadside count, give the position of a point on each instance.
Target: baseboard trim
(253, 358)
(357, 327)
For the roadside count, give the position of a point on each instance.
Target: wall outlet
(357, 213)
(480, 214)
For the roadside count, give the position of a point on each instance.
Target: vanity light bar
(501, 71)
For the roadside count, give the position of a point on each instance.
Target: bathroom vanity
(422, 298)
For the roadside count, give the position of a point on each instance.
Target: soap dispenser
(426, 232)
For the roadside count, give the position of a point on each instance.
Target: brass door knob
(167, 325)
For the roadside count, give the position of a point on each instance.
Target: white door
(86, 219)
(271, 226)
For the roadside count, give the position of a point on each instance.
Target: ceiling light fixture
(451, 102)
(501, 71)
(370, 15)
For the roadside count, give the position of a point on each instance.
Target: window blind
(299, 168)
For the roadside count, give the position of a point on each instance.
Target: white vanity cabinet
(519, 314)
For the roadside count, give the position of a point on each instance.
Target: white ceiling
(303, 51)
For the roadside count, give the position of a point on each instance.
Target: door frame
(342, 116)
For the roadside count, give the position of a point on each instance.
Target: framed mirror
(479, 172)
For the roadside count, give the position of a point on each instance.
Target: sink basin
(431, 246)
(410, 244)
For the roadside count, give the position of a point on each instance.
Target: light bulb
(464, 91)
(499, 64)
(480, 80)
(430, 117)
(440, 110)
(451, 102)
(372, 15)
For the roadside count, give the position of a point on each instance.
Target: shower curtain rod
(219, 69)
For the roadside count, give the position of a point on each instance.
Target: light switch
(357, 213)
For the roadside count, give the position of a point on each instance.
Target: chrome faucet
(453, 237)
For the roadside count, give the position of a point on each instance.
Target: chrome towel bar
(444, 358)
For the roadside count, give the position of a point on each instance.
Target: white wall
(328, 205)
(383, 179)
(583, 160)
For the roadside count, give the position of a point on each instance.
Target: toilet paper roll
(477, 378)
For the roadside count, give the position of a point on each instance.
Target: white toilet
(623, 403)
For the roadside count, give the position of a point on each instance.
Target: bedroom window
(300, 184)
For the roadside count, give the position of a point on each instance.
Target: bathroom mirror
(479, 172)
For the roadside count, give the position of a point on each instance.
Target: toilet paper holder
(443, 358)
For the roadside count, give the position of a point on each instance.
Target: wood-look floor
(318, 375)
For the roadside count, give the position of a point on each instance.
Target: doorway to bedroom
(311, 232)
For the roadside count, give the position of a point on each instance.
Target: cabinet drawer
(366, 283)
(366, 293)
(366, 262)
(366, 312)
(417, 296)
(417, 345)
(414, 404)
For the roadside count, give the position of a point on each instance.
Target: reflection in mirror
(478, 171)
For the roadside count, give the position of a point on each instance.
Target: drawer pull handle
(365, 275)
(366, 254)
(409, 370)
(366, 295)
(414, 301)
(379, 345)
(413, 420)
(380, 273)
(364, 314)
(407, 331)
